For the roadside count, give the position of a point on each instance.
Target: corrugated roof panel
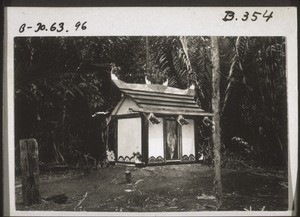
(160, 98)
(172, 108)
(172, 112)
(149, 93)
(190, 104)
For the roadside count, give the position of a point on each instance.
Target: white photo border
(141, 21)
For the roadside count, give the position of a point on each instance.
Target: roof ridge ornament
(147, 81)
(192, 87)
(166, 82)
(113, 70)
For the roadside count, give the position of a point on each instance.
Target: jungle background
(62, 82)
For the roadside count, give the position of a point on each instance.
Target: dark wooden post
(145, 139)
(29, 160)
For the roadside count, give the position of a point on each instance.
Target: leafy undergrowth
(160, 189)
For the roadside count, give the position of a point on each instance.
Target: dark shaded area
(255, 99)
(259, 191)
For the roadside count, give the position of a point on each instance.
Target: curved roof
(160, 99)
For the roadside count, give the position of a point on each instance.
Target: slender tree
(216, 119)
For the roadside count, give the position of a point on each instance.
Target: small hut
(153, 124)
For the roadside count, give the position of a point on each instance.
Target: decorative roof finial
(166, 82)
(113, 70)
(192, 87)
(147, 81)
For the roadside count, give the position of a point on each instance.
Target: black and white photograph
(150, 123)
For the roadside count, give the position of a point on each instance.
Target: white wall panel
(188, 138)
(129, 136)
(156, 139)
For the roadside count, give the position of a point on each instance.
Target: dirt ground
(161, 189)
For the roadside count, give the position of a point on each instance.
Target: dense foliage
(61, 82)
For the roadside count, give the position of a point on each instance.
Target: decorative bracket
(181, 120)
(152, 118)
(207, 122)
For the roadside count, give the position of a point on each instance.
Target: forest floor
(161, 188)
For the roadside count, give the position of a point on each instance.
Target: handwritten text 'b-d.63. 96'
(54, 27)
(251, 16)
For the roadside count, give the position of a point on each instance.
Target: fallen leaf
(283, 184)
(172, 207)
(205, 197)
(209, 206)
(138, 181)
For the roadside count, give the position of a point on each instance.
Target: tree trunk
(29, 160)
(216, 120)
(147, 55)
(184, 44)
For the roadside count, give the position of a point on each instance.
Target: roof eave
(169, 112)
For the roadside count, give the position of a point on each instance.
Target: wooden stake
(29, 160)
(128, 176)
